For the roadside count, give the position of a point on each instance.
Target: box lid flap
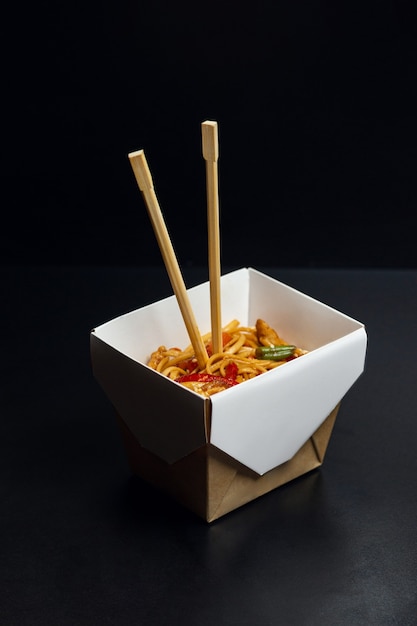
(163, 416)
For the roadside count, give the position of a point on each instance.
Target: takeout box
(216, 454)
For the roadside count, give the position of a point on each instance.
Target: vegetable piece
(206, 378)
(274, 353)
(231, 370)
(188, 365)
(226, 337)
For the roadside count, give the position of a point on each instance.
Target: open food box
(214, 454)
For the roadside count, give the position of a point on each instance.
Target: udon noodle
(248, 351)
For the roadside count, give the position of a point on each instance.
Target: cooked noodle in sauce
(247, 352)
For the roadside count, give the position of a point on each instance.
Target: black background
(316, 105)
(317, 110)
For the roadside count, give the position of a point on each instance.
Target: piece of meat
(156, 357)
(267, 336)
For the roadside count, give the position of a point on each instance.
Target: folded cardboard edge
(210, 483)
(171, 427)
(246, 485)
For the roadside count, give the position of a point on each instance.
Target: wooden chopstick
(145, 184)
(210, 144)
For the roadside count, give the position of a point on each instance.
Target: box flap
(274, 414)
(277, 412)
(164, 417)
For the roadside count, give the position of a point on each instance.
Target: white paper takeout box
(214, 454)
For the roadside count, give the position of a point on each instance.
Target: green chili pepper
(274, 353)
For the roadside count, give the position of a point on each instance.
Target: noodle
(238, 361)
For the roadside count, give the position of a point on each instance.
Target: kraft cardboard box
(216, 454)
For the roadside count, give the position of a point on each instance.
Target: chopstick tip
(210, 140)
(134, 154)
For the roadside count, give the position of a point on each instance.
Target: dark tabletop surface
(84, 543)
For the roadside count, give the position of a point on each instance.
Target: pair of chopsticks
(210, 148)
